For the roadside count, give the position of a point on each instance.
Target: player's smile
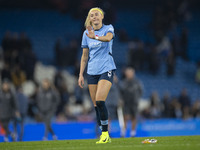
(96, 21)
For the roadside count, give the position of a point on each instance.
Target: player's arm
(106, 38)
(84, 60)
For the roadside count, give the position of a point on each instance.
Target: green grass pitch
(164, 143)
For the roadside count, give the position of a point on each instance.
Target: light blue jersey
(100, 53)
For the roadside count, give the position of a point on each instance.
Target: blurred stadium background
(160, 39)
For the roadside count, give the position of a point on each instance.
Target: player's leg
(133, 120)
(15, 123)
(45, 138)
(93, 90)
(133, 126)
(48, 124)
(21, 128)
(103, 89)
(92, 85)
(101, 95)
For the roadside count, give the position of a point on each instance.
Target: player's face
(96, 17)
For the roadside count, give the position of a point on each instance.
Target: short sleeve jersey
(100, 53)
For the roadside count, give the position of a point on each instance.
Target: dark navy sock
(103, 114)
(98, 116)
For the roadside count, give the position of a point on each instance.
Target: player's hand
(81, 81)
(91, 32)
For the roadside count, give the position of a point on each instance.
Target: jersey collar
(100, 28)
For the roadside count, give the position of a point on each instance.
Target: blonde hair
(87, 21)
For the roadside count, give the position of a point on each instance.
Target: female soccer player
(97, 44)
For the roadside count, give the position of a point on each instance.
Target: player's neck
(97, 27)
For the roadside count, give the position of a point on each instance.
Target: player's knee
(100, 104)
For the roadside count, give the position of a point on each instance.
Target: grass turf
(168, 143)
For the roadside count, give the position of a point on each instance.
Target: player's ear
(102, 16)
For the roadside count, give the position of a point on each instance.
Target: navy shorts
(94, 79)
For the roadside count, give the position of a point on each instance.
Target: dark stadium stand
(43, 28)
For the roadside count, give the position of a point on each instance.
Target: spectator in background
(196, 109)
(18, 50)
(47, 102)
(131, 90)
(27, 58)
(22, 102)
(5, 72)
(155, 106)
(14, 58)
(60, 84)
(32, 107)
(175, 108)
(24, 42)
(18, 76)
(166, 105)
(15, 42)
(164, 47)
(185, 102)
(28, 62)
(8, 108)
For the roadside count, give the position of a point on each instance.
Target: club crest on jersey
(109, 74)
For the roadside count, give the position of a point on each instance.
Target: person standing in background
(185, 101)
(47, 101)
(155, 106)
(131, 90)
(8, 108)
(22, 102)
